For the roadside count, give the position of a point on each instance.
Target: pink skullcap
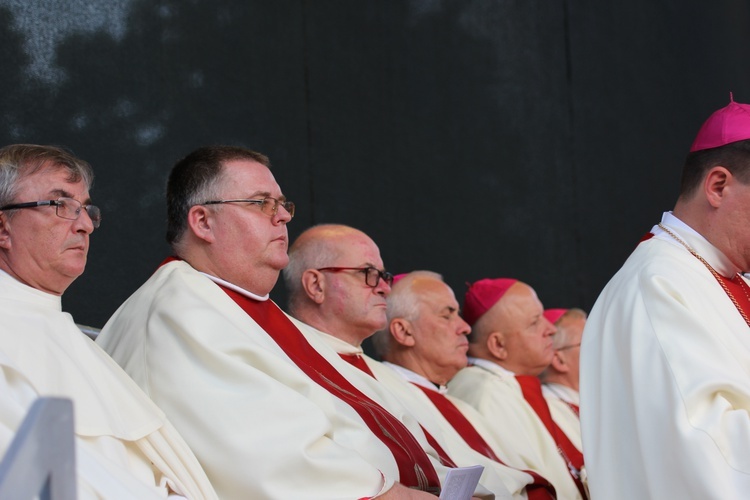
(553, 315)
(729, 124)
(482, 295)
(399, 277)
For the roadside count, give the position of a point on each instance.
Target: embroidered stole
(739, 293)
(415, 469)
(358, 362)
(531, 388)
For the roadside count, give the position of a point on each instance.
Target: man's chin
(75, 267)
(279, 262)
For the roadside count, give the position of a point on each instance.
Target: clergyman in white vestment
(126, 448)
(665, 359)
(259, 423)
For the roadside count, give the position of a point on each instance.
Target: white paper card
(461, 482)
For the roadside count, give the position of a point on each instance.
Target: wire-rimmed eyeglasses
(65, 208)
(566, 347)
(268, 205)
(373, 275)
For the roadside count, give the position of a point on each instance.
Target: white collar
(563, 392)
(338, 345)
(416, 378)
(235, 288)
(697, 242)
(490, 365)
(19, 290)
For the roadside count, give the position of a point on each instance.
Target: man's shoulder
(655, 262)
(171, 296)
(478, 380)
(657, 253)
(172, 283)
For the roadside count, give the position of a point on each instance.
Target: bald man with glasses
(125, 446)
(338, 288)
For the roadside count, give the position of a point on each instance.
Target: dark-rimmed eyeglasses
(372, 275)
(268, 205)
(65, 208)
(566, 347)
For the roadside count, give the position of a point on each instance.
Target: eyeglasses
(372, 274)
(268, 205)
(571, 346)
(65, 208)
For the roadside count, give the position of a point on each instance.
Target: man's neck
(561, 379)
(260, 286)
(420, 367)
(331, 326)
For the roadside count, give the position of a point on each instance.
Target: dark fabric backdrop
(536, 139)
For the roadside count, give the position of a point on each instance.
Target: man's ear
(717, 179)
(401, 331)
(200, 223)
(559, 364)
(314, 284)
(497, 345)
(4, 231)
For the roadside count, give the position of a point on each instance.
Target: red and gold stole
(739, 293)
(415, 469)
(531, 388)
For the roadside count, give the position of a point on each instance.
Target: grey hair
(22, 160)
(402, 302)
(560, 338)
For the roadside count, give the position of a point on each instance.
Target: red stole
(739, 293)
(540, 489)
(576, 409)
(359, 362)
(532, 393)
(415, 469)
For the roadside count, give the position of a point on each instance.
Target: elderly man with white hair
(425, 343)
(561, 378)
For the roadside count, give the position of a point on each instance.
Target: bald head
(315, 248)
(335, 282)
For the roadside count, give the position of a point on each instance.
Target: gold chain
(716, 275)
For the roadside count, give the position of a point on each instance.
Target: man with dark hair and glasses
(560, 379)
(665, 358)
(265, 414)
(125, 447)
